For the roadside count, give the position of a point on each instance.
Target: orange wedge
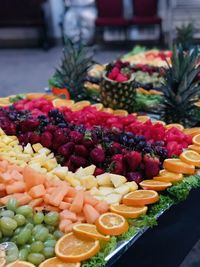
(120, 112)
(112, 224)
(155, 185)
(70, 248)
(56, 262)
(86, 230)
(108, 110)
(194, 148)
(98, 106)
(128, 211)
(143, 118)
(32, 96)
(20, 264)
(191, 157)
(192, 131)
(58, 102)
(140, 198)
(178, 166)
(196, 140)
(175, 125)
(80, 105)
(171, 177)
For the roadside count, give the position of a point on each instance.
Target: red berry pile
(119, 71)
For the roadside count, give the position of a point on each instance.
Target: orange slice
(112, 224)
(178, 166)
(197, 104)
(80, 105)
(143, 118)
(175, 125)
(58, 102)
(196, 139)
(32, 96)
(155, 185)
(108, 110)
(56, 262)
(140, 198)
(98, 106)
(194, 148)
(20, 264)
(192, 131)
(70, 248)
(86, 230)
(120, 112)
(190, 157)
(158, 121)
(171, 177)
(128, 211)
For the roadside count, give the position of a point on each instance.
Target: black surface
(167, 244)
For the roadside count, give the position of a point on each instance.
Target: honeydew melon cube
(100, 198)
(132, 186)
(94, 191)
(70, 178)
(89, 170)
(106, 190)
(28, 149)
(50, 164)
(61, 172)
(104, 179)
(113, 198)
(88, 181)
(117, 180)
(45, 151)
(80, 172)
(50, 156)
(122, 189)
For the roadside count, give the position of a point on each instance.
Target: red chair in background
(145, 13)
(110, 14)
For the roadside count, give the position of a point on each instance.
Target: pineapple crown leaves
(185, 35)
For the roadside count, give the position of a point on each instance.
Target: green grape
(31, 240)
(7, 213)
(20, 219)
(50, 243)
(14, 239)
(12, 204)
(1, 235)
(25, 210)
(29, 226)
(51, 218)
(7, 233)
(58, 234)
(37, 246)
(38, 218)
(36, 228)
(27, 247)
(18, 230)
(35, 258)
(23, 236)
(8, 223)
(50, 228)
(42, 234)
(5, 239)
(50, 237)
(48, 252)
(11, 251)
(30, 220)
(23, 254)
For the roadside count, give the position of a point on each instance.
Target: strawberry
(151, 166)
(134, 176)
(115, 148)
(133, 160)
(34, 138)
(76, 137)
(98, 171)
(97, 155)
(46, 139)
(81, 150)
(121, 78)
(118, 167)
(78, 161)
(66, 149)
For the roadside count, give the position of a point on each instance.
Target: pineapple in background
(76, 62)
(181, 89)
(185, 36)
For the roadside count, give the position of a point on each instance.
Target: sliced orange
(128, 211)
(155, 185)
(58, 102)
(98, 106)
(143, 118)
(108, 110)
(87, 230)
(194, 147)
(120, 112)
(158, 121)
(192, 131)
(175, 125)
(155, 92)
(20, 264)
(32, 96)
(196, 139)
(70, 248)
(56, 262)
(80, 105)
(191, 157)
(178, 166)
(197, 104)
(140, 198)
(165, 176)
(112, 224)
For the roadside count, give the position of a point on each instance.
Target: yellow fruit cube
(117, 180)
(106, 190)
(88, 181)
(28, 149)
(113, 198)
(37, 147)
(132, 186)
(122, 189)
(50, 164)
(104, 179)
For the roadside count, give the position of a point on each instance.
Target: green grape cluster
(34, 233)
(144, 77)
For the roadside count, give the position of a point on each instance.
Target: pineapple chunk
(45, 151)
(70, 178)
(89, 170)
(61, 172)
(50, 164)
(28, 149)
(106, 190)
(104, 179)
(122, 189)
(50, 156)
(37, 147)
(100, 198)
(6, 139)
(117, 180)
(132, 186)
(113, 198)
(88, 181)
(94, 191)
(1, 132)
(35, 166)
(80, 172)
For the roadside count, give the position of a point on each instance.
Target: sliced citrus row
(128, 211)
(112, 224)
(140, 198)
(20, 264)
(192, 131)
(196, 139)
(56, 262)
(109, 110)
(70, 248)
(80, 105)
(175, 125)
(171, 177)
(158, 121)
(155, 185)
(191, 157)
(98, 106)
(195, 148)
(178, 166)
(120, 112)
(86, 230)
(58, 102)
(143, 118)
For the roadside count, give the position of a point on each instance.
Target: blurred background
(32, 33)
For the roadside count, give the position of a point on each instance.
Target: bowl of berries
(117, 86)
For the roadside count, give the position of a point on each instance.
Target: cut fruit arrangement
(74, 177)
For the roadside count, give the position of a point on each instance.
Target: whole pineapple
(76, 61)
(181, 90)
